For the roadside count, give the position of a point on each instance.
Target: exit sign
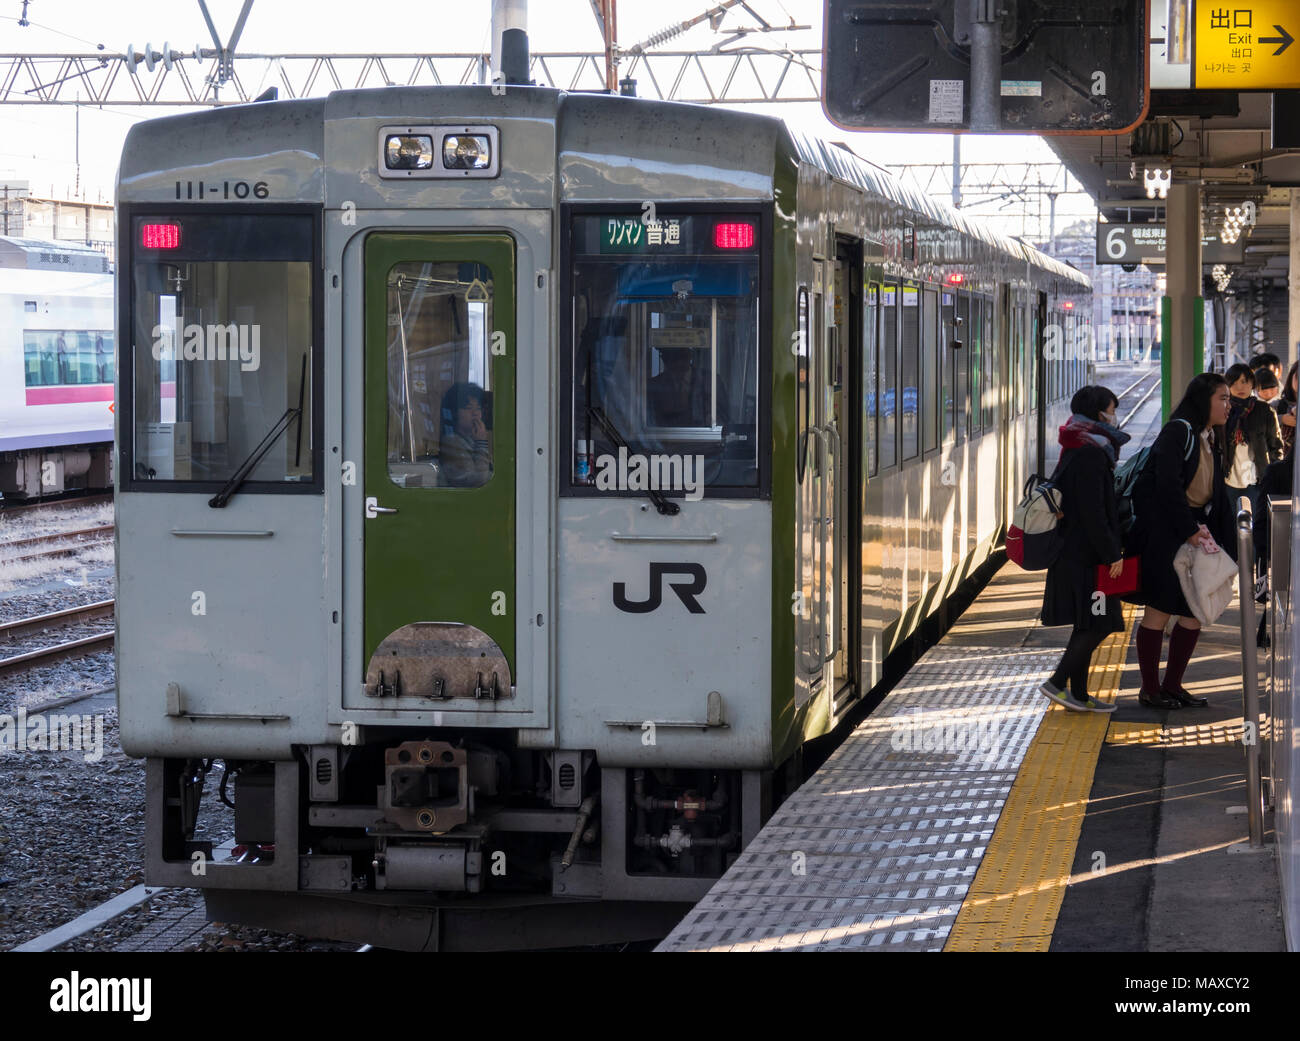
(1247, 46)
(1218, 45)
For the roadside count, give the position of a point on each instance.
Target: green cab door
(439, 473)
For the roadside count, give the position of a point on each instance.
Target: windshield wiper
(663, 505)
(245, 468)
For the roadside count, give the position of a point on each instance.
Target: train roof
(47, 283)
(598, 125)
(48, 255)
(841, 163)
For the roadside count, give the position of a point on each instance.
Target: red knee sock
(1181, 644)
(1149, 643)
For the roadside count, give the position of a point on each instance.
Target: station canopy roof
(1222, 140)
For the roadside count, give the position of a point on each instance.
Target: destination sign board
(1145, 244)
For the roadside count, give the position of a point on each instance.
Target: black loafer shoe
(1185, 699)
(1159, 699)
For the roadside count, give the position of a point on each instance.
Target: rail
(48, 655)
(55, 545)
(40, 623)
(1141, 401)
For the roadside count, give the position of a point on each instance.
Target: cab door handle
(373, 509)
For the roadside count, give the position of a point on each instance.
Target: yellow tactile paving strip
(1013, 903)
(1224, 732)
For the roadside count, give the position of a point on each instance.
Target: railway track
(78, 648)
(1141, 388)
(1137, 383)
(57, 543)
(54, 504)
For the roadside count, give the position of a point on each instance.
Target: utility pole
(606, 12)
(986, 66)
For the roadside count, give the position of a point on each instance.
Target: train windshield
(222, 343)
(665, 353)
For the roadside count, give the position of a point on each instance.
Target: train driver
(680, 395)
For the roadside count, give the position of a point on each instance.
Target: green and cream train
(510, 484)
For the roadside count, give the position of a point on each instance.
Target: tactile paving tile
(1013, 903)
(880, 847)
(1223, 732)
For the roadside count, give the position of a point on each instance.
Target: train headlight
(466, 152)
(432, 151)
(408, 152)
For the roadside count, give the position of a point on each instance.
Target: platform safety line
(1016, 896)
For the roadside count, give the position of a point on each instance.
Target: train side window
(871, 353)
(439, 374)
(909, 370)
(887, 396)
(932, 336)
(802, 382)
(990, 364)
(1056, 357)
(67, 357)
(104, 356)
(1019, 377)
(1071, 355)
(1033, 349)
(948, 362)
(961, 366)
(974, 333)
(1075, 353)
(1049, 360)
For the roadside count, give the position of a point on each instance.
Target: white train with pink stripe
(57, 362)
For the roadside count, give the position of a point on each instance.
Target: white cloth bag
(1207, 580)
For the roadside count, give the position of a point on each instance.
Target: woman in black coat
(1085, 478)
(1179, 498)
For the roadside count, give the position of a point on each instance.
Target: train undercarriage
(36, 473)
(455, 845)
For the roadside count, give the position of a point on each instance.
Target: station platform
(969, 813)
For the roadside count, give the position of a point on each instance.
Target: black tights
(1076, 661)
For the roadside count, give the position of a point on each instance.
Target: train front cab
(523, 671)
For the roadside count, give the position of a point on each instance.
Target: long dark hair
(1195, 406)
(1287, 392)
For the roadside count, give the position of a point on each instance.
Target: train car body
(56, 368)
(510, 485)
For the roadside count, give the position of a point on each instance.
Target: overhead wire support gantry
(746, 75)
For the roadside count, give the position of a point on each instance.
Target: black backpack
(1128, 474)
